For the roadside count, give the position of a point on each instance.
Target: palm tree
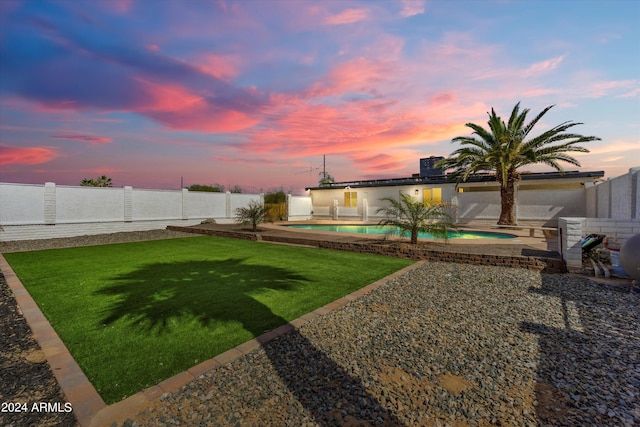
(101, 181)
(504, 147)
(253, 214)
(410, 216)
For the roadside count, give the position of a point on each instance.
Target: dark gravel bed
(25, 376)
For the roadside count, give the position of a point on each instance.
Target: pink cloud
(442, 98)
(605, 88)
(223, 67)
(412, 8)
(176, 107)
(631, 94)
(26, 155)
(361, 75)
(121, 6)
(307, 129)
(543, 66)
(84, 138)
(379, 163)
(348, 16)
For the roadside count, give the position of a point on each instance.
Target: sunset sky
(254, 92)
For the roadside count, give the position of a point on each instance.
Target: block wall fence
(47, 211)
(612, 209)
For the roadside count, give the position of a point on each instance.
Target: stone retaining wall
(545, 265)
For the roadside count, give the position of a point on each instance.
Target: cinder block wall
(572, 230)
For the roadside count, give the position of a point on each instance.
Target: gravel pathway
(443, 345)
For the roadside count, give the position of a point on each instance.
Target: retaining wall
(546, 265)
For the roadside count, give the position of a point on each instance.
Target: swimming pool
(378, 229)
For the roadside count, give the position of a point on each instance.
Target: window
(432, 195)
(350, 199)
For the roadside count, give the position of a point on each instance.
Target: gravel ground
(445, 344)
(100, 239)
(442, 345)
(25, 375)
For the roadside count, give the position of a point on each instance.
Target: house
(541, 198)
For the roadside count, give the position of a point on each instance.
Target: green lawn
(134, 314)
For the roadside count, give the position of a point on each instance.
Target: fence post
(128, 203)
(228, 204)
(49, 203)
(185, 203)
(365, 210)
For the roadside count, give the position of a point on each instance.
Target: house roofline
(446, 179)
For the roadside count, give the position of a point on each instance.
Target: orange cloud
(306, 129)
(26, 155)
(379, 163)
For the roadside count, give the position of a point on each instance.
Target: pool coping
(89, 408)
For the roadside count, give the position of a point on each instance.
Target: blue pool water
(378, 229)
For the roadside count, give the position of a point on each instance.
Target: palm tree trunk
(507, 202)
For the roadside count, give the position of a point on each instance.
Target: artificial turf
(134, 314)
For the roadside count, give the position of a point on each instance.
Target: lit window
(350, 199)
(432, 195)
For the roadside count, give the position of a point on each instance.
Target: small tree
(276, 205)
(411, 217)
(326, 180)
(275, 197)
(252, 214)
(101, 181)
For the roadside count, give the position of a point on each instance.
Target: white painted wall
(299, 208)
(156, 204)
(616, 198)
(205, 205)
(549, 205)
(86, 204)
(21, 204)
(478, 206)
(37, 211)
(242, 200)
